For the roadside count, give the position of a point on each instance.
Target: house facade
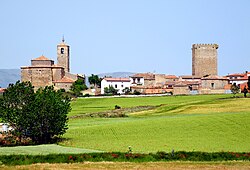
(118, 83)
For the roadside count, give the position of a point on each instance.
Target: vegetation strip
(124, 157)
(115, 113)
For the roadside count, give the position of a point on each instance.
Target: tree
(95, 80)
(77, 87)
(16, 106)
(235, 89)
(110, 90)
(245, 91)
(126, 90)
(50, 118)
(40, 115)
(248, 83)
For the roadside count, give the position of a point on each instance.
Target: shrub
(137, 92)
(117, 107)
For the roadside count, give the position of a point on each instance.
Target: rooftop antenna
(63, 39)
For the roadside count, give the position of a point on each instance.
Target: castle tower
(63, 55)
(204, 59)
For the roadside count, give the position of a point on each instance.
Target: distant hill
(116, 74)
(113, 74)
(8, 76)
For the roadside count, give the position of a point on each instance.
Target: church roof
(41, 58)
(65, 80)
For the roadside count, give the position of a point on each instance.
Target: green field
(191, 123)
(42, 150)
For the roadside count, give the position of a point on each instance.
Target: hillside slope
(8, 76)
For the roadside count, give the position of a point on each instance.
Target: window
(62, 50)
(115, 85)
(212, 85)
(122, 85)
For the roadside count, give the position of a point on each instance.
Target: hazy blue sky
(126, 35)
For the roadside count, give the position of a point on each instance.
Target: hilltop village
(204, 78)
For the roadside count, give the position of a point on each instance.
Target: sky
(126, 35)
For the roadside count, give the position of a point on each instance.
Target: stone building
(44, 72)
(204, 59)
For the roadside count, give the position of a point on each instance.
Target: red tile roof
(41, 58)
(235, 75)
(146, 76)
(2, 90)
(171, 77)
(190, 77)
(65, 80)
(117, 79)
(214, 78)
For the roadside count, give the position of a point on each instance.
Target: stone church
(44, 72)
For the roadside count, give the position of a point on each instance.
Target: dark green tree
(77, 87)
(95, 80)
(40, 115)
(126, 90)
(235, 89)
(50, 115)
(16, 107)
(245, 91)
(110, 90)
(248, 83)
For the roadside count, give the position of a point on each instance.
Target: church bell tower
(63, 55)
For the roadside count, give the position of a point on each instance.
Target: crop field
(190, 123)
(42, 150)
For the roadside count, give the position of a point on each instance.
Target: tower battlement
(216, 46)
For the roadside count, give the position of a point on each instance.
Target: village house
(239, 79)
(118, 83)
(149, 83)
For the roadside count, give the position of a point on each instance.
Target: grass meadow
(184, 123)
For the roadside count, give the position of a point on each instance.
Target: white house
(117, 83)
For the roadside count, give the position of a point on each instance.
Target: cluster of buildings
(204, 79)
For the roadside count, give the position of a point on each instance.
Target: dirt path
(144, 166)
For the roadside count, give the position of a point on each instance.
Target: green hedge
(123, 157)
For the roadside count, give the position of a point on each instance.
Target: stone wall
(71, 76)
(62, 85)
(41, 77)
(26, 74)
(160, 78)
(42, 62)
(204, 59)
(58, 73)
(214, 84)
(181, 90)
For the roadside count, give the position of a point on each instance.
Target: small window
(212, 85)
(62, 50)
(122, 85)
(115, 85)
